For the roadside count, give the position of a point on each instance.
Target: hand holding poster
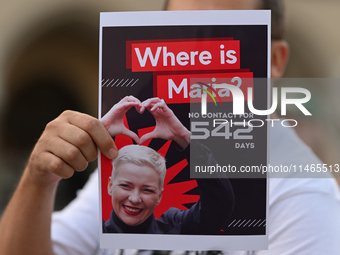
(164, 93)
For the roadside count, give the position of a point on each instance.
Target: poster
(162, 75)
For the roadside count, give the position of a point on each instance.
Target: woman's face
(135, 192)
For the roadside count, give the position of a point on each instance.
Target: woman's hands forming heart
(113, 120)
(168, 126)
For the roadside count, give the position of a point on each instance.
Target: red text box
(181, 56)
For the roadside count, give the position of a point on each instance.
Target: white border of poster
(169, 18)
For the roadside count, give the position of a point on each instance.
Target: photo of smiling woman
(136, 182)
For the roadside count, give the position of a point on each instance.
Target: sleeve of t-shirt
(304, 213)
(308, 224)
(75, 229)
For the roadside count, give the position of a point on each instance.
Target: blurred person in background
(304, 213)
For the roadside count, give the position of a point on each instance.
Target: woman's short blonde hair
(141, 156)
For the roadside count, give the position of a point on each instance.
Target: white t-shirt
(304, 213)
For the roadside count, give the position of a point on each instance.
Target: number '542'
(200, 130)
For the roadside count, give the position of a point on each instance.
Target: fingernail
(113, 153)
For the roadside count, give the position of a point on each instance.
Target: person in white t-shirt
(304, 213)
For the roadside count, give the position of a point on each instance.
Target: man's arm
(67, 145)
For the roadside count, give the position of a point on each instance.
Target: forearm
(217, 203)
(210, 214)
(67, 144)
(26, 223)
(183, 139)
(216, 194)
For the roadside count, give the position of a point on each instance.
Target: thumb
(147, 136)
(131, 134)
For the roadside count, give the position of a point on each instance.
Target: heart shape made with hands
(168, 126)
(138, 137)
(157, 107)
